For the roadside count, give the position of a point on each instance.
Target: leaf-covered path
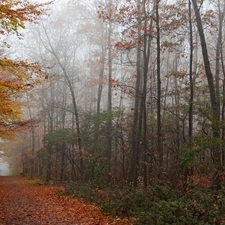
(25, 203)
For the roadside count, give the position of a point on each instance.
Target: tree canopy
(16, 76)
(14, 14)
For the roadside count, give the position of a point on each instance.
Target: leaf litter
(24, 203)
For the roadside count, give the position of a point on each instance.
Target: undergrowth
(42, 181)
(159, 204)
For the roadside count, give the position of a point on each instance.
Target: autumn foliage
(14, 14)
(16, 76)
(134, 113)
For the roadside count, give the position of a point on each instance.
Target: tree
(109, 107)
(16, 76)
(159, 123)
(190, 119)
(60, 43)
(212, 89)
(15, 14)
(139, 54)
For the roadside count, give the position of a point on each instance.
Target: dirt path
(24, 203)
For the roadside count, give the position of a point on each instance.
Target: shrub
(159, 204)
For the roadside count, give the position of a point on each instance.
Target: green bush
(79, 191)
(198, 206)
(159, 204)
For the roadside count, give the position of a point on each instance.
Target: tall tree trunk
(147, 45)
(109, 107)
(32, 144)
(221, 18)
(212, 90)
(190, 119)
(136, 129)
(177, 102)
(102, 69)
(50, 129)
(100, 88)
(218, 50)
(159, 125)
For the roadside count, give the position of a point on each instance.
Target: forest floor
(24, 202)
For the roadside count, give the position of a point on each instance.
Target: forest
(123, 98)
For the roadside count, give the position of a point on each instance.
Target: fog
(99, 98)
(4, 168)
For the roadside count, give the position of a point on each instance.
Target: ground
(24, 202)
